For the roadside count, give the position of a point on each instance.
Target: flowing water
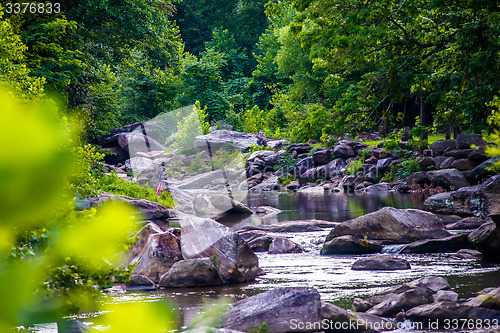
(331, 275)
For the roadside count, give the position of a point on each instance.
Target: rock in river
(350, 245)
(392, 225)
(199, 272)
(381, 262)
(279, 308)
(206, 238)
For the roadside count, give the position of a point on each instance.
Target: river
(331, 275)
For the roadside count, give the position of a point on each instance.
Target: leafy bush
(286, 161)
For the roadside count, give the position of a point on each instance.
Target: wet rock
(224, 138)
(448, 244)
(267, 211)
(380, 187)
(441, 145)
(334, 313)
(466, 223)
(467, 201)
(293, 226)
(490, 300)
(139, 282)
(447, 178)
(258, 240)
(366, 322)
(293, 186)
(142, 235)
(349, 245)
(434, 283)
(283, 245)
(199, 272)
(468, 254)
(465, 141)
(393, 225)
(268, 157)
(491, 192)
(445, 296)
(205, 238)
(486, 239)
(381, 262)
(278, 308)
(402, 302)
(437, 312)
(160, 252)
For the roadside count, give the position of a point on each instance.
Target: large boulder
(392, 225)
(441, 145)
(447, 178)
(343, 151)
(333, 168)
(303, 165)
(486, 239)
(322, 157)
(282, 309)
(467, 201)
(349, 245)
(258, 241)
(224, 138)
(206, 238)
(160, 252)
(490, 300)
(402, 302)
(465, 224)
(150, 209)
(270, 184)
(465, 141)
(199, 272)
(140, 164)
(482, 171)
(381, 262)
(134, 142)
(492, 195)
(448, 244)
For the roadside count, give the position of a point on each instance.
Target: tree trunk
(423, 118)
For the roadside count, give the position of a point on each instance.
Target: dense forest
(294, 69)
(302, 70)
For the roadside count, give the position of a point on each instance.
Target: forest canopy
(297, 69)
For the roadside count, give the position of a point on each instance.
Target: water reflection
(323, 206)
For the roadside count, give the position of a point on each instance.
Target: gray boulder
(381, 262)
(206, 238)
(258, 241)
(466, 223)
(139, 164)
(283, 245)
(150, 209)
(486, 238)
(160, 252)
(199, 272)
(482, 171)
(303, 165)
(392, 225)
(279, 308)
(434, 283)
(137, 142)
(139, 282)
(464, 141)
(441, 145)
(467, 201)
(270, 184)
(448, 244)
(293, 226)
(402, 302)
(224, 138)
(349, 245)
(462, 164)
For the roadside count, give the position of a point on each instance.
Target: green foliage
(286, 161)
(263, 328)
(494, 138)
(13, 69)
(407, 167)
(355, 166)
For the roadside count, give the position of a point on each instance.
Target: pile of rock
(202, 252)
